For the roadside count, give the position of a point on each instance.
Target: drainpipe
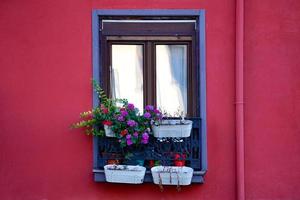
(239, 81)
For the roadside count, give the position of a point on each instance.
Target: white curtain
(127, 73)
(171, 78)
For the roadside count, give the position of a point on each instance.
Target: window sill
(198, 176)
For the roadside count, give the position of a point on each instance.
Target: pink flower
(105, 110)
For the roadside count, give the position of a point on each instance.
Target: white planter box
(169, 175)
(173, 128)
(108, 131)
(124, 174)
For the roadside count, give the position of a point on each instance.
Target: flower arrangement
(129, 126)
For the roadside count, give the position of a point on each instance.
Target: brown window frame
(178, 34)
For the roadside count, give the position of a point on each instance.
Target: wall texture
(272, 101)
(45, 71)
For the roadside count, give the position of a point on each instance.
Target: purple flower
(120, 118)
(135, 134)
(149, 107)
(124, 113)
(130, 106)
(145, 136)
(128, 136)
(147, 115)
(156, 111)
(131, 123)
(129, 142)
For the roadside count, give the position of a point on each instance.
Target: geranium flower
(124, 113)
(156, 111)
(105, 110)
(130, 106)
(131, 123)
(129, 142)
(128, 136)
(149, 107)
(145, 138)
(124, 132)
(107, 122)
(147, 115)
(135, 134)
(120, 118)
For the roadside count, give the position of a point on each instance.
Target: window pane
(127, 73)
(171, 78)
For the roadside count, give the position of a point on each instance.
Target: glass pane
(127, 73)
(171, 78)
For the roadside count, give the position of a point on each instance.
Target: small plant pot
(170, 175)
(108, 131)
(173, 128)
(124, 174)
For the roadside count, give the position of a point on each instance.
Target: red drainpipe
(239, 81)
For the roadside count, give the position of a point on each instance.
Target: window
(154, 57)
(160, 70)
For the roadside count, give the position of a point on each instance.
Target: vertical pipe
(239, 81)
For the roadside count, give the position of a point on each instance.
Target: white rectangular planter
(169, 175)
(124, 174)
(173, 128)
(108, 131)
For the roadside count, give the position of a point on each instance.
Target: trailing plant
(130, 127)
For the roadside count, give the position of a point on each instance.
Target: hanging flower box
(173, 128)
(169, 175)
(108, 131)
(124, 174)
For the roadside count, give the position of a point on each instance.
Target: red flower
(107, 122)
(177, 156)
(151, 163)
(124, 132)
(105, 110)
(179, 163)
(179, 159)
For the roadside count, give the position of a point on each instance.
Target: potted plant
(119, 119)
(172, 175)
(124, 174)
(171, 127)
(99, 120)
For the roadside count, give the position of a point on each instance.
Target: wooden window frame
(149, 68)
(198, 58)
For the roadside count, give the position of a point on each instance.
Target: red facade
(46, 66)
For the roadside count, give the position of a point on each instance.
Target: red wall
(45, 82)
(272, 99)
